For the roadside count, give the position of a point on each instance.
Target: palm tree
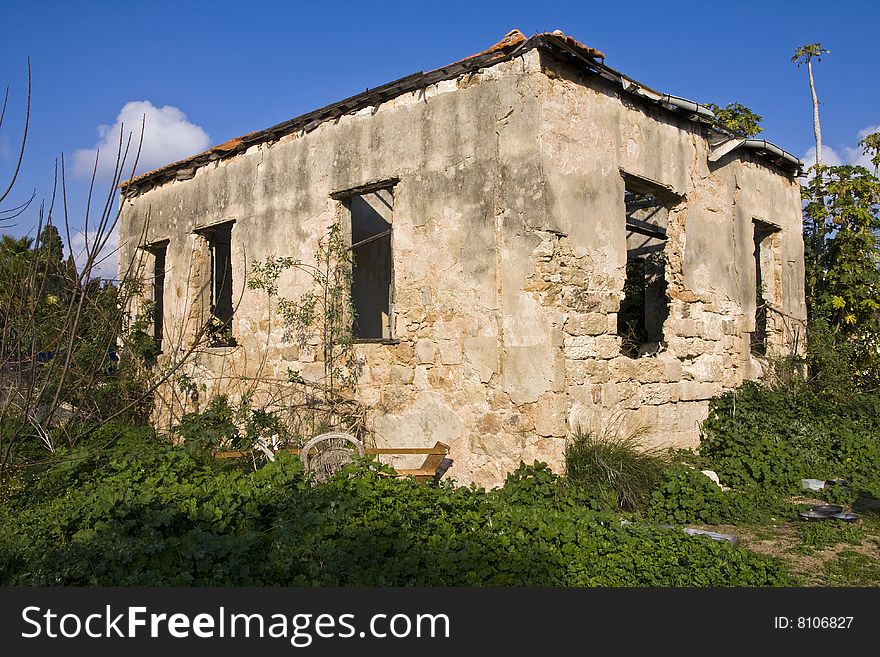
(805, 54)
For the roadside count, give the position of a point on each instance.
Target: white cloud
(856, 155)
(105, 264)
(830, 156)
(871, 129)
(168, 137)
(845, 154)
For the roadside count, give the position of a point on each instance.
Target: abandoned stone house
(541, 244)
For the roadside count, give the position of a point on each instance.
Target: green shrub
(538, 484)
(209, 429)
(138, 512)
(616, 465)
(394, 532)
(220, 426)
(690, 497)
(841, 494)
(775, 438)
(532, 484)
(141, 512)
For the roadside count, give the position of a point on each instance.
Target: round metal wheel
(324, 455)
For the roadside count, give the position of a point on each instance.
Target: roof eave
(514, 44)
(766, 149)
(504, 50)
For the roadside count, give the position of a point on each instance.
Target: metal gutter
(678, 102)
(697, 111)
(769, 147)
(693, 110)
(761, 146)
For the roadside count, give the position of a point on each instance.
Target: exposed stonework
(509, 241)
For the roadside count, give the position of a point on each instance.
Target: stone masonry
(513, 176)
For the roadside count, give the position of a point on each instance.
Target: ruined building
(542, 244)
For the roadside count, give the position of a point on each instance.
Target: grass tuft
(618, 464)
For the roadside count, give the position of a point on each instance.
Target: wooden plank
(438, 449)
(364, 189)
(432, 462)
(230, 454)
(407, 450)
(388, 450)
(646, 229)
(430, 466)
(391, 450)
(375, 237)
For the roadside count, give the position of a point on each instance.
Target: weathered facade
(550, 245)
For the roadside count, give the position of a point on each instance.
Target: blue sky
(205, 72)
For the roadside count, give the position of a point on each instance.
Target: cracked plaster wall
(509, 252)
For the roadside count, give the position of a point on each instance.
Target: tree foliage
(68, 362)
(871, 146)
(806, 53)
(60, 338)
(737, 118)
(842, 260)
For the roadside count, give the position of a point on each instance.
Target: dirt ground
(839, 554)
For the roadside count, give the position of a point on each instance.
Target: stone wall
(509, 250)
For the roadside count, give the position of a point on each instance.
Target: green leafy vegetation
(220, 426)
(820, 535)
(762, 442)
(66, 364)
(143, 512)
(737, 118)
(842, 260)
(690, 497)
(755, 436)
(852, 568)
(871, 146)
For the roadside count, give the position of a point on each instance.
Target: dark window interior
(220, 242)
(761, 235)
(645, 305)
(371, 288)
(159, 252)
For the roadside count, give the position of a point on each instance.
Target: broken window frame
(640, 194)
(222, 308)
(346, 198)
(763, 234)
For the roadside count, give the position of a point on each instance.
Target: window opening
(372, 268)
(220, 244)
(645, 305)
(762, 235)
(159, 252)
